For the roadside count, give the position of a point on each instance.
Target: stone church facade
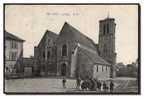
(72, 54)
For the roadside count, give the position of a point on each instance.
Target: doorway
(63, 69)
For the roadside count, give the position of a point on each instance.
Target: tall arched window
(104, 29)
(64, 50)
(97, 69)
(107, 28)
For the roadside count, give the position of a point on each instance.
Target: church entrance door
(63, 69)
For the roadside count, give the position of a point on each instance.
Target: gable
(68, 32)
(47, 34)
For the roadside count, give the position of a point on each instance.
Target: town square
(71, 49)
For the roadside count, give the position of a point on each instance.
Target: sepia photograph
(71, 48)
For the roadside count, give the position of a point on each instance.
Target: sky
(30, 22)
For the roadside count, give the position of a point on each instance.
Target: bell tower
(107, 42)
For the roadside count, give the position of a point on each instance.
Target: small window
(44, 54)
(102, 69)
(107, 28)
(105, 49)
(7, 68)
(106, 68)
(14, 44)
(48, 41)
(104, 29)
(97, 69)
(12, 55)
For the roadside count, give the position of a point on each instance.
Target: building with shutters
(13, 53)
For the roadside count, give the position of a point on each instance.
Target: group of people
(96, 85)
(92, 85)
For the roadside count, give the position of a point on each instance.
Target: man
(64, 82)
(105, 87)
(111, 86)
(91, 84)
(99, 85)
(78, 81)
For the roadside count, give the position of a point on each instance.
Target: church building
(72, 54)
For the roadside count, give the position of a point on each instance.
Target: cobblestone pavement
(51, 85)
(37, 85)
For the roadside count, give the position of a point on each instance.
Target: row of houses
(69, 54)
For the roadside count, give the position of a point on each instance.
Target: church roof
(92, 57)
(77, 36)
(12, 37)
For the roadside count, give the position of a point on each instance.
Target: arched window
(64, 50)
(107, 28)
(104, 29)
(97, 69)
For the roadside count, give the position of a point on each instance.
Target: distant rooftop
(12, 37)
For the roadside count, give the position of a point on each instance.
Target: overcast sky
(30, 22)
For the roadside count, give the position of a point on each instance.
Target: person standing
(111, 86)
(99, 85)
(91, 84)
(64, 83)
(105, 87)
(78, 81)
